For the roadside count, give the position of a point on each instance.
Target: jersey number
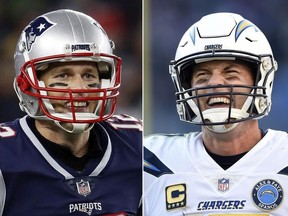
(125, 121)
(6, 131)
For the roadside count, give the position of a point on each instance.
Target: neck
(237, 141)
(77, 143)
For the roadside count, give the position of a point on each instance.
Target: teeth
(78, 104)
(218, 100)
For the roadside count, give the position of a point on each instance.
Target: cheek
(199, 100)
(58, 97)
(193, 84)
(57, 94)
(247, 79)
(239, 100)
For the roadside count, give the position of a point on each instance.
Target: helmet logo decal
(213, 47)
(77, 47)
(35, 29)
(192, 34)
(244, 24)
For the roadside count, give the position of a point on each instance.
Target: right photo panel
(215, 122)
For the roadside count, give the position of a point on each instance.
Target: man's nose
(78, 83)
(216, 79)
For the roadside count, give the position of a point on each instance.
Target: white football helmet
(64, 36)
(223, 36)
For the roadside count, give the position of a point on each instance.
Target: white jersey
(182, 179)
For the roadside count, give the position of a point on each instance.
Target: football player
(223, 73)
(70, 155)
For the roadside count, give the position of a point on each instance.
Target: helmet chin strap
(77, 128)
(218, 115)
(221, 128)
(221, 115)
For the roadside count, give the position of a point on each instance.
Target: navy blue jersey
(32, 182)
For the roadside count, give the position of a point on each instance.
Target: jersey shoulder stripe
(283, 171)
(153, 165)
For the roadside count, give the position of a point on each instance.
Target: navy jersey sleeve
(8, 143)
(127, 128)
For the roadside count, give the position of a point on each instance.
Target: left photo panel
(71, 111)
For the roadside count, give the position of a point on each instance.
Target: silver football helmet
(223, 36)
(64, 36)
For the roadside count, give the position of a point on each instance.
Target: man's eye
(201, 75)
(201, 81)
(89, 76)
(61, 76)
(232, 73)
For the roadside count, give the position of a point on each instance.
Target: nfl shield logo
(223, 184)
(83, 188)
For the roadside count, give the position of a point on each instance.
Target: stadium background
(166, 22)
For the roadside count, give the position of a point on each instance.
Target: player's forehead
(68, 66)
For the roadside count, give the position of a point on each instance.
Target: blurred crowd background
(166, 23)
(122, 21)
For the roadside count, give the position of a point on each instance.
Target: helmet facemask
(41, 107)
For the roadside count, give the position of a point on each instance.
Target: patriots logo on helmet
(35, 29)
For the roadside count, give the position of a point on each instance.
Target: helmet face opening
(233, 39)
(65, 36)
(103, 96)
